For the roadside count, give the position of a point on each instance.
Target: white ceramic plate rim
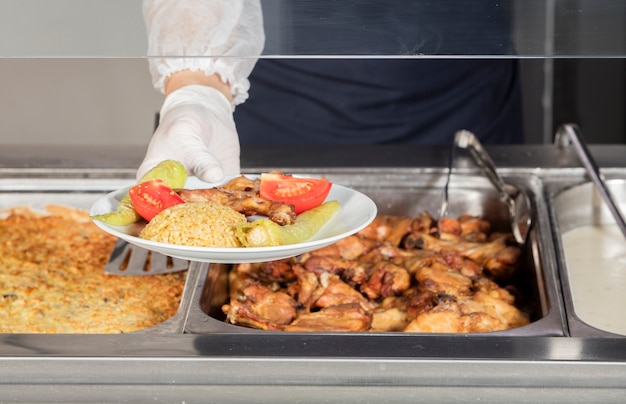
(356, 212)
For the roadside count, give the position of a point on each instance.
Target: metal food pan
(407, 192)
(81, 193)
(591, 287)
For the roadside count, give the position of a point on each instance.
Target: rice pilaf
(199, 224)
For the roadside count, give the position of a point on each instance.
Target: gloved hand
(197, 129)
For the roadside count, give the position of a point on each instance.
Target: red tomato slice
(302, 193)
(151, 197)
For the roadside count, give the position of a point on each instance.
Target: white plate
(355, 213)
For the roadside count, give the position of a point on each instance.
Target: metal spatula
(131, 260)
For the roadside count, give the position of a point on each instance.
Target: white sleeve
(228, 32)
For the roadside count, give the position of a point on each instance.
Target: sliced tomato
(151, 197)
(302, 193)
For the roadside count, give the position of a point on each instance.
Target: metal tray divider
(177, 323)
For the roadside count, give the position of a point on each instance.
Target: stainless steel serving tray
(80, 193)
(402, 193)
(574, 202)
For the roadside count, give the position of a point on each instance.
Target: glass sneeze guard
(328, 28)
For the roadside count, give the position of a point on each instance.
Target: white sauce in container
(596, 267)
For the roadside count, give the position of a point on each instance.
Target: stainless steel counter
(278, 367)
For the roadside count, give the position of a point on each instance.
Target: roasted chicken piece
(474, 228)
(464, 266)
(441, 279)
(480, 312)
(391, 229)
(415, 259)
(386, 279)
(242, 183)
(475, 306)
(305, 289)
(449, 229)
(258, 306)
(349, 248)
(352, 271)
(242, 195)
(465, 228)
(395, 312)
(450, 318)
(494, 290)
(391, 319)
(506, 313)
(496, 255)
(280, 271)
(248, 203)
(420, 300)
(335, 292)
(343, 317)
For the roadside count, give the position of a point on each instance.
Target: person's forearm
(187, 77)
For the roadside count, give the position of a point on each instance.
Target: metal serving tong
(516, 200)
(132, 260)
(570, 134)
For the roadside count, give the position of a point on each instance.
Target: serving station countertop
(275, 367)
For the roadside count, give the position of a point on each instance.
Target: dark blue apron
(385, 101)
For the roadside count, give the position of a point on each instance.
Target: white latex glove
(197, 129)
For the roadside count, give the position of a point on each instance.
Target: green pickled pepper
(265, 233)
(171, 172)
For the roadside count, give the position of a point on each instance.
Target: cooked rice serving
(199, 224)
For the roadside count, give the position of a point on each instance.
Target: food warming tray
(407, 194)
(573, 204)
(81, 193)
